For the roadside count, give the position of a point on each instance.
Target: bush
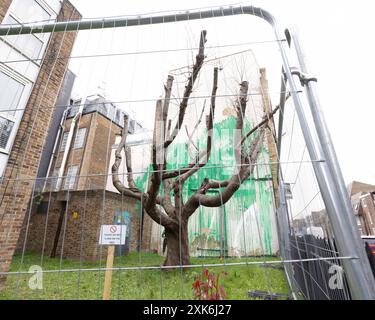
(206, 286)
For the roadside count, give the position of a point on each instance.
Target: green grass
(137, 284)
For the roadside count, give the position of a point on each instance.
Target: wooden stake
(108, 273)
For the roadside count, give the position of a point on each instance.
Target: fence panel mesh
(58, 188)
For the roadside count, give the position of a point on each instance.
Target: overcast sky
(338, 40)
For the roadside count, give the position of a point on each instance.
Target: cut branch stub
(167, 98)
(241, 110)
(188, 89)
(206, 152)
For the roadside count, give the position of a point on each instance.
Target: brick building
(78, 196)
(317, 224)
(30, 86)
(362, 196)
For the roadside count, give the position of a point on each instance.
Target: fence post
(284, 238)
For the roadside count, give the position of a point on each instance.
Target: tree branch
(212, 184)
(188, 89)
(133, 191)
(196, 164)
(241, 109)
(241, 172)
(265, 120)
(167, 99)
(195, 128)
(156, 214)
(129, 169)
(156, 155)
(190, 136)
(209, 125)
(231, 186)
(179, 183)
(159, 156)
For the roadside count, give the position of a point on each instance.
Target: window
(71, 177)
(53, 179)
(9, 100)
(30, 11)
(80, 138)
(26, 11)
(63, 141)
(5, 131)
(78, 142)
(118, 116)
(11, 93)
(28, 44)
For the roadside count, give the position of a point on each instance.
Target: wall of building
(367, 212)
(4, 6)
(79, 236)
(75, 155)
(21, 170)
(93, 158)
(317, 220)
(363, 202)
(97, 159)
(357, 187)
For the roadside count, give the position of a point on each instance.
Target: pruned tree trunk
(177, 245)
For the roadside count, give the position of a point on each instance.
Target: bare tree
(169, 208)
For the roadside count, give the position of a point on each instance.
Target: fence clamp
(303, 77)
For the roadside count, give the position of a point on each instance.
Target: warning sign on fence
(112, 234)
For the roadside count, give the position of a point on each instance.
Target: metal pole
(349, 227)
(282, 102)
(361, 287)
(331, 187)
(284, 238)
(130, 21)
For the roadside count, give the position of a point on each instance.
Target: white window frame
(44, 38)
(53, 179)
(63, 145)
(16, 118)
(71, 179)
(75, 146)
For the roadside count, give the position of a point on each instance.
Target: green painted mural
(245, 225)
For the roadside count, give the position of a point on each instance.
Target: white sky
(338, 40)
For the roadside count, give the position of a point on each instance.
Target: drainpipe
(54, 150)
(67, 147)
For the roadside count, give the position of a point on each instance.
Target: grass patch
(137, 284)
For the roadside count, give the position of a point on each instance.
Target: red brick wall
(4, 6)
(79, 237)
(93, 159)
(23, 161)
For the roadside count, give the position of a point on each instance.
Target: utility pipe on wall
(54, 150)
(67, 147)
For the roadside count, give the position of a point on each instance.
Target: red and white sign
(112, 234)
